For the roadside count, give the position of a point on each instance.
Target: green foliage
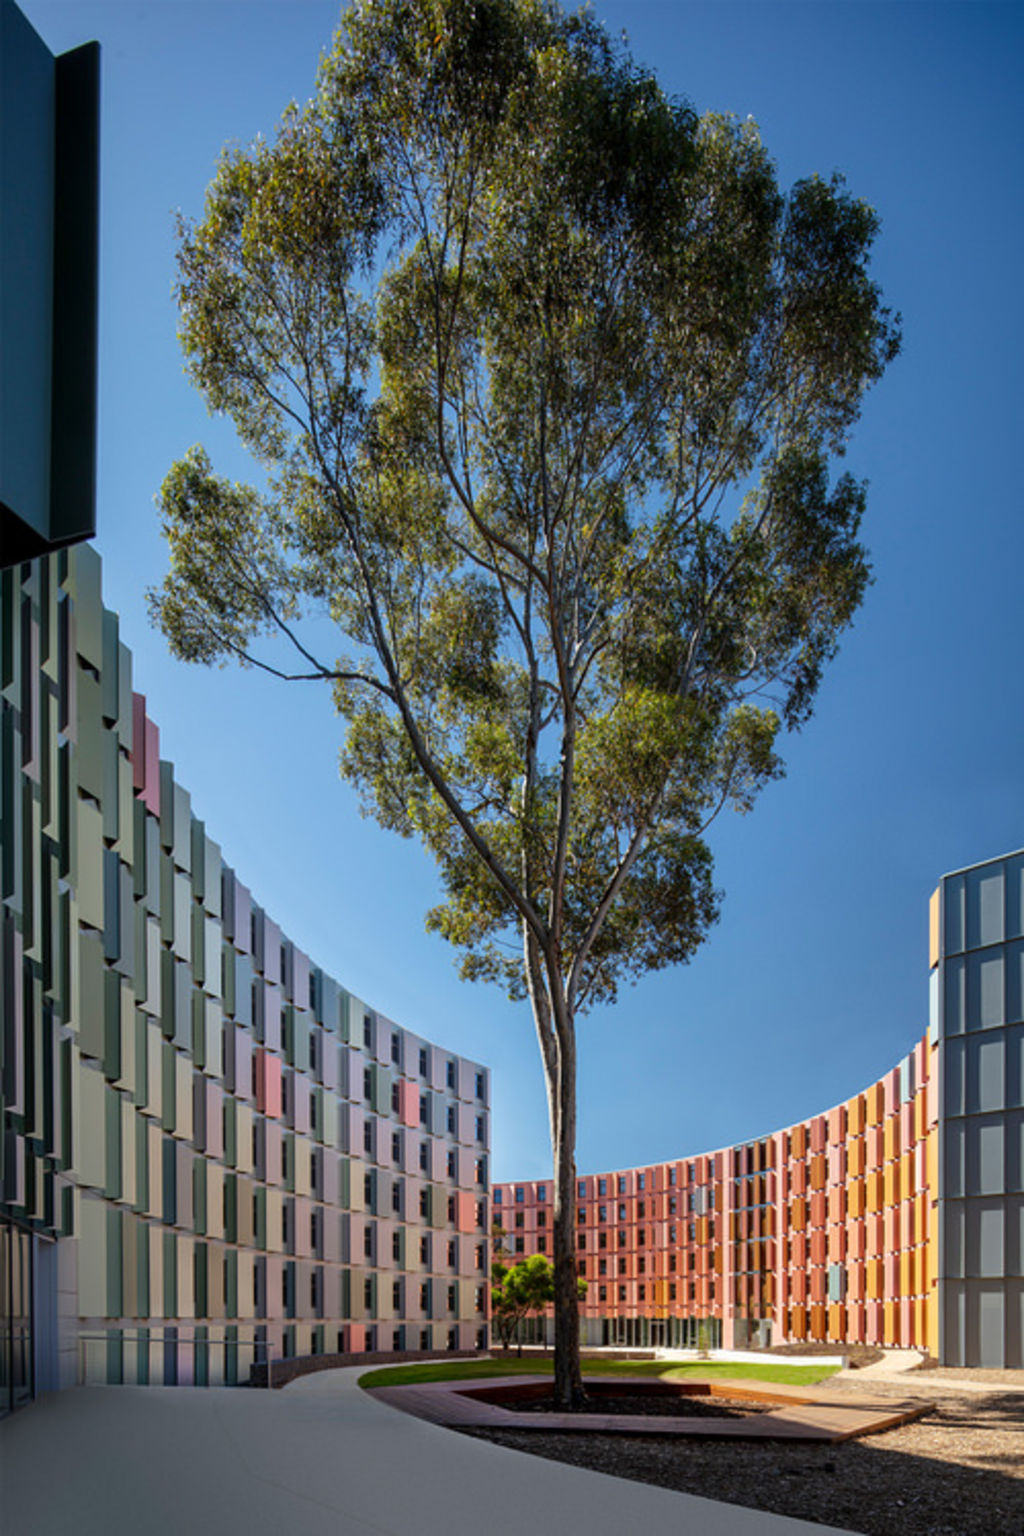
(520, 1289)
(505, 326)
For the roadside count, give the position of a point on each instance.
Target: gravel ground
(957, 1472)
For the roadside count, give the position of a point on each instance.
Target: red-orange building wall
(824, 1231)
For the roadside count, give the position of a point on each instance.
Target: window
(451, 1299)
(520, 1245)
(642, 1292)
(542, 1245)
(396, 1197)
(672, 1263)
(451, 1075)
(672, 1233)
(542, 1192)
(367, 1032)
(622, 1213)
(285, 1224)
(641, 1237)
(602, 1266)
(496, 1196)
(452, 1259)
(396, 1146)
(314, 1051)
(425, 1296)
(479, 1127)
(424, 1110)
(314, 1230)
(602, 1186)
(451, 1119)
(672, 1175)
(396, 1247)
(367, 1082)
(479, 1256)
(581, 1189)
(425, 1205)
(622, 1266)
(581, 1215)
(641, 1209)
(424, 1338)
(480, 1083)
(451, 1207)
(424, 1248)
(519, 1194)
(602, 1239)
(479, 1302)
(672, 1204)
(622, 1293)
(622, 1184)
(581, 1240)
(396, 1099)
(368, 1190)
(284, 1159)
(368, 1242)
(481, 1213)
(396, 1049)
(424, 1156)
(622, 1237)
(451, 1165)
(520, 1219)
(641, 1181)
(424, 1069)
(581, 1268)
(368, 1137)
(641, 1266)
(602, 1293)
(542, 1218)
(602, 1213)
(672, 1290)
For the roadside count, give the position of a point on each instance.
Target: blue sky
(814, 981)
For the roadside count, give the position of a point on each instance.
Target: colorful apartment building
(210, 1151)
(895, 1218)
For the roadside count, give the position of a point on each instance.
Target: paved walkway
(320, 1458)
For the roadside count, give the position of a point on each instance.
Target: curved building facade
(895, 1218)
(211, 1150)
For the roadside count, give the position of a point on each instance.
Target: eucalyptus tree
(543, 375)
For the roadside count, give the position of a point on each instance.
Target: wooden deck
(795, 1413)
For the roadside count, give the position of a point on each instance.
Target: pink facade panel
(409, 1102)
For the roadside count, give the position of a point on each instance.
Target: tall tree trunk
(568, 1382)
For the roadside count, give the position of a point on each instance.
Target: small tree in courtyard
(544, 375)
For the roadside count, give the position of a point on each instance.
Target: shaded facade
(211, 1150)
(895, 1218)
(49, 247)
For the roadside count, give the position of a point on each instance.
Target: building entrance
(15, 1316)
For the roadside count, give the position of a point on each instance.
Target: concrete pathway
(893, 1363)
(320, 1458)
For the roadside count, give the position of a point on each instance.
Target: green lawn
(541, 1365)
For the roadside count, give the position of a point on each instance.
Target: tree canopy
(544, 375)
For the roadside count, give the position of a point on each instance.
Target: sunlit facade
(895, 1218)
